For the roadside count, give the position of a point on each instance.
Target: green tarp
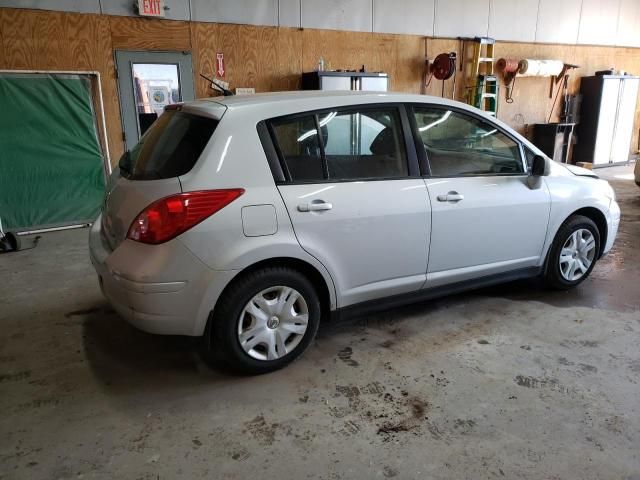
(51, 164)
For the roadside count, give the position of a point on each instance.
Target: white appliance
(606, 119)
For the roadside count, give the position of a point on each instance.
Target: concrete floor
(508, 382)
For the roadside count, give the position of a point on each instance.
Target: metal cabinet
(333, 80)
(607, 118)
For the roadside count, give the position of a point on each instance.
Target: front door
(486, 219)
(352, 200)
(147, 82)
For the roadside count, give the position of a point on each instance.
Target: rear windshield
(169, 148)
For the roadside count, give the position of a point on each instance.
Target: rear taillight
(168, 217)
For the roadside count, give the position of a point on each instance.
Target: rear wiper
(125, 163)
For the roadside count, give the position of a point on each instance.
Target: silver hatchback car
(246, 220)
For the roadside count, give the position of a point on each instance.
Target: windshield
(170, 147)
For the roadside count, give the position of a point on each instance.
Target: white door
(352, 202)
(485, 218)
(607, 120)
(621, 143)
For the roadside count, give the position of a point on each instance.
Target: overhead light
(433, 124)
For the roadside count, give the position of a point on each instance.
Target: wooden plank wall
(38, 40)
(531, 94)
(271, 58)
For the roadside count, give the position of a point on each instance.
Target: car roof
(315, 98)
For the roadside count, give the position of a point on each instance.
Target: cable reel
(443, 68)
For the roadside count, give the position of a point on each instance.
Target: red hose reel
(443, 68)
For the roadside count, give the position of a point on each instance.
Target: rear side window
(299, 145)
(355, 144)
(170, 147)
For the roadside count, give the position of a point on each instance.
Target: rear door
(486, 219)
(355, 198)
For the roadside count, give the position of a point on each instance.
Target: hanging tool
(443, 68)
(509, 68)
(564, 74)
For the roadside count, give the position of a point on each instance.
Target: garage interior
(513, 381)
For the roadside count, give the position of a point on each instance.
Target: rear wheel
(574, 252)
(264, 320)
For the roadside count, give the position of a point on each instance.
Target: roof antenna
(218, 85)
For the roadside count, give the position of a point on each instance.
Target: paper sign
(220, 64)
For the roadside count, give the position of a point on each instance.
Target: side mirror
(538, 166)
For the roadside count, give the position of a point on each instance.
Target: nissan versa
(247, 220)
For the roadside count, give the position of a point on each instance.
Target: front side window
(362, 143)
(457, 144)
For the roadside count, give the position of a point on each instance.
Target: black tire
(553, 276)
(221, 342)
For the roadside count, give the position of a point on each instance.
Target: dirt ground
(509, 382)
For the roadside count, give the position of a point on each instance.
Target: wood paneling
(410, 54)
(34, 40)
(265, 58)
(531, 101)
(272, 58)
(289, 58)
(204, 38)
(401, 56)
(38, 40)
(129, 33)
(531, 95)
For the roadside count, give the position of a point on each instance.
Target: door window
(461, 145)
(362, 143)
(156, 85)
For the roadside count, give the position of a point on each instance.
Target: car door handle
(315, 206)
(452, 197)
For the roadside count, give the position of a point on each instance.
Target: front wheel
(573, 254)
(264, 320)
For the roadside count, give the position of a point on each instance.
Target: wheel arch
(599, 219)
(307, 269)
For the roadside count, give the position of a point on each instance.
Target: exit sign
(151, 8)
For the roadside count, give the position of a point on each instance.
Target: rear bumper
(161, 289)
(613, 222)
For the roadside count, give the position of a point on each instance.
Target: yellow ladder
(483, 58)
(482, 84)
